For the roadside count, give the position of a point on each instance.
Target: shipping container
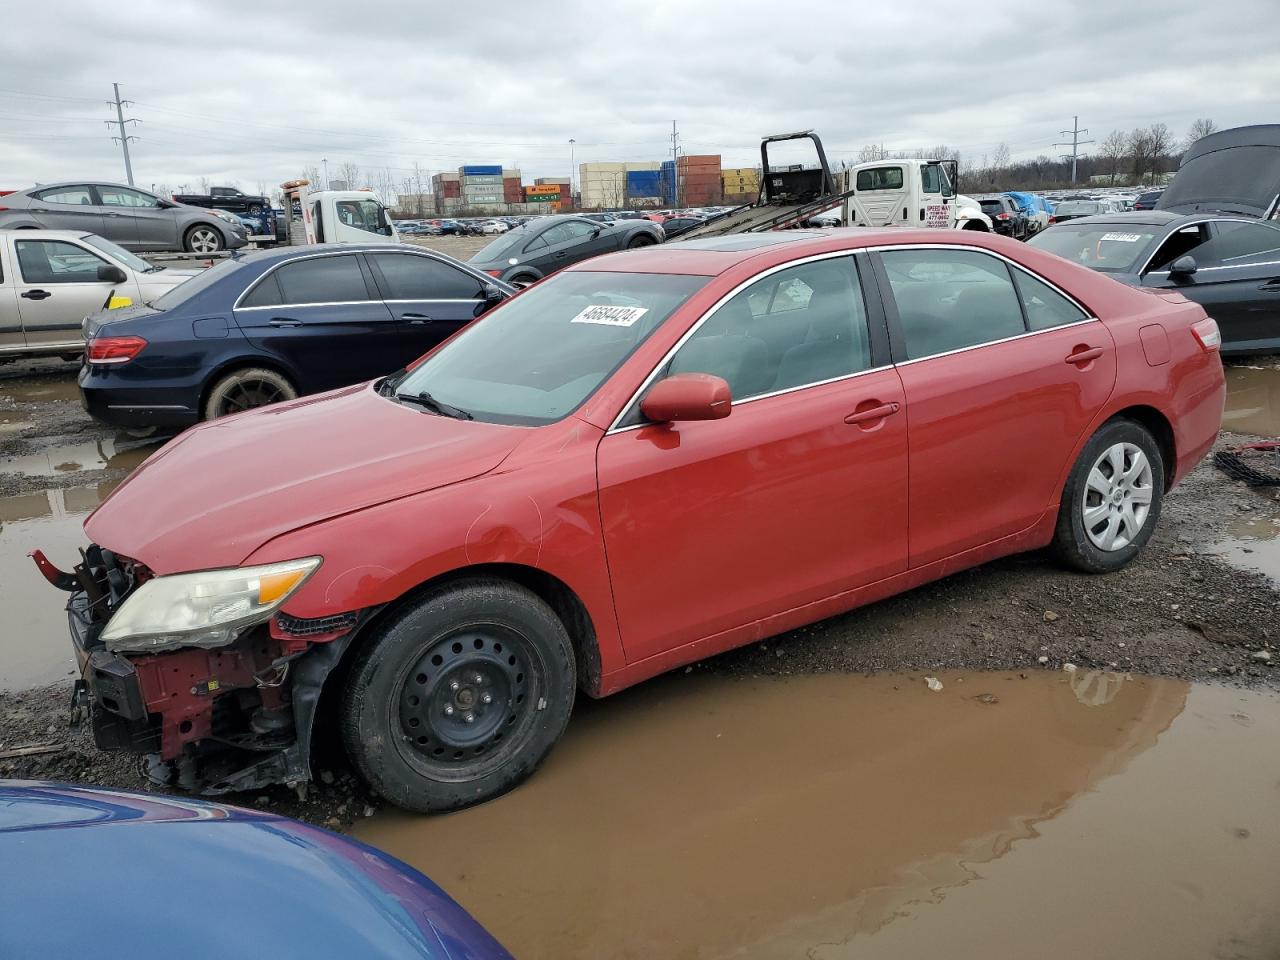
(565, 181)
(488, 181)
(478, 170)
(644, 183)
(450, 188)
(643, 165)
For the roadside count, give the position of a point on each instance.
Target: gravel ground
(1179, 611)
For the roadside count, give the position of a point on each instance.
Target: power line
(1075, 144)
(120, 121)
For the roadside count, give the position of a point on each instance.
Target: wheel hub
(1117, 496)
(462, 697)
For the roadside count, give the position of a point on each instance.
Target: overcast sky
(256, 93)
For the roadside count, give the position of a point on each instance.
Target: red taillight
(1053, 219)
(115, 349)
(1002, 216)
(1207, 334)
(4, 208)
(494, 273)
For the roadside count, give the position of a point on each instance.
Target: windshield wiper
(435, 406)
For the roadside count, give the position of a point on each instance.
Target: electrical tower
(675, 160)
(120, 121)
(1075, 144)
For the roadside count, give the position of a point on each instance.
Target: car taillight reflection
(114, 349)
(1207, 334)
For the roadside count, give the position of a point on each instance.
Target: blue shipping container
(668, 182)
(644, 183)
(482, 171)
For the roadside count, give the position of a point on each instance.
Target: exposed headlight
(223, 215)
(206, 609)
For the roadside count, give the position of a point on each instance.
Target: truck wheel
(1112, 499)
(640, 240)
(255, 209)
(246, 389)
(203, 238)
(460, 696)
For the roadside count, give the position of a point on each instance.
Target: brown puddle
(61, 458)
(838, 816)
(41, 389)
(1253, 401)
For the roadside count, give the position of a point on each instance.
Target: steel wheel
(249, 393)
(465, 697)
(204, 240)
(1117, 496)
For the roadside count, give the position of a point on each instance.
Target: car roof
(49, 234)
(278, 254)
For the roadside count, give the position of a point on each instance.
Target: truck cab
(909, 193)
(336, 216)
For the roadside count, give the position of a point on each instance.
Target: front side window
(951, 299)
(322, 280)
(362, 215)
(407, 276)
(880, 178)
(1237, 241)
(569, 232)
(124, 197)
(536, 358)
(799, 326)
(56, 261)
(930, 178)
(79, 196)
(1179, 244)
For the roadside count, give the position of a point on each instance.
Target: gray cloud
(255, 93)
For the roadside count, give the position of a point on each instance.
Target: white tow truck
(335, 216)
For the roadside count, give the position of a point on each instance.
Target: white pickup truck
(50, 280)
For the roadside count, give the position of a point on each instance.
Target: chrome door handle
(284, 322)
(415, 318)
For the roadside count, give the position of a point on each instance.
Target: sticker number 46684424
(610, 316)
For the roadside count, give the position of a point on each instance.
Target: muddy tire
(203, 238)
(459, 697)
(640, 240)
(245, 389)
(1112, 499)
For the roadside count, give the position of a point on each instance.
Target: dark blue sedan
(96, 873)
(272, 326)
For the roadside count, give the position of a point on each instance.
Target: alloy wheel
(204, 240)
(1117, 497)
(250, 393)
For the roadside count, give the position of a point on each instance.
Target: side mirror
(493, 294)
(1184, 266)
(109, 274)
(687, 396)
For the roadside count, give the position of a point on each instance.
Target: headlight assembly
(209, 608)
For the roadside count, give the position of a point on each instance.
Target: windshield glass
(508, 244)
(197, 284)
(1100, 246)
(536, 358)
(118, 253)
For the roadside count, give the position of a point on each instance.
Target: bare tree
(1000, 158)
(872, 152)
(1140, 153)
(1200, 128)
(1112, 152)
(350, 173)
(204, 185)
(1159, 145)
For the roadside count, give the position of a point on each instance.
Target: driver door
(140, 218)
(57, 286)
(566, 243)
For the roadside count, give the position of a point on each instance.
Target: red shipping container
(451, 188)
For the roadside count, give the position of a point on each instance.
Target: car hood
(221, 490)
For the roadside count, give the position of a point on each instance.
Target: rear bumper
(135, 406)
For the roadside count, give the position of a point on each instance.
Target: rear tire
(523, 280)
(203, 238)
(246, 389)
(1112, 499)
(641, 240)
(459, 697)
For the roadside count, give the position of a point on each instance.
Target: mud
(1253, 404)
(1057, 815)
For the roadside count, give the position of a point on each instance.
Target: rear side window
(951, 299)
(1045, 307)
(407, 276)
(265, 294)
(322, 280)
(1237, 241)
(880, 178)
(76, 195)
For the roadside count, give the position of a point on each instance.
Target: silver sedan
(132, 218)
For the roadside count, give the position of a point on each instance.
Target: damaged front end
(201, 672)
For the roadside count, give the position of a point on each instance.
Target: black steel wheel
(459, 696)
(246, 389)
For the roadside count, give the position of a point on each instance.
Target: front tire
(203, 238)
(459, 697)
(640, 240)
(246, 389)
(1112, 499)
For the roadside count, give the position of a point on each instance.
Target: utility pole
(120, 121)
(1075, 144)
(325, 185)
(675, 160)
(573, 172)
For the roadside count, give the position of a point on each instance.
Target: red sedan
(646, 459)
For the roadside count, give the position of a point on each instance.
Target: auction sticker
(610, 316)
(1123, 237)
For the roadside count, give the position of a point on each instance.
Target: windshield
(507, 245)
(536, 358)
(1101, 246)
(119, 254)
(197, 284)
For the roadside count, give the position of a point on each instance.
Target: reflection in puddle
(1253, 401)
(1253, 544)
(34, 648)
(41, 389)
(64, 458)
(834, 816)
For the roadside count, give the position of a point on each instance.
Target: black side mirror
(1184, 266)
(109, 274)
(494, 294)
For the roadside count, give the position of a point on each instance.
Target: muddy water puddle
(837, 816)
(96, 454)
(41, 389)
(1253, 401)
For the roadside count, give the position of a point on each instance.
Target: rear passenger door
(1002, 374)
(67, 208)
(323, 318)
(430, 300)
